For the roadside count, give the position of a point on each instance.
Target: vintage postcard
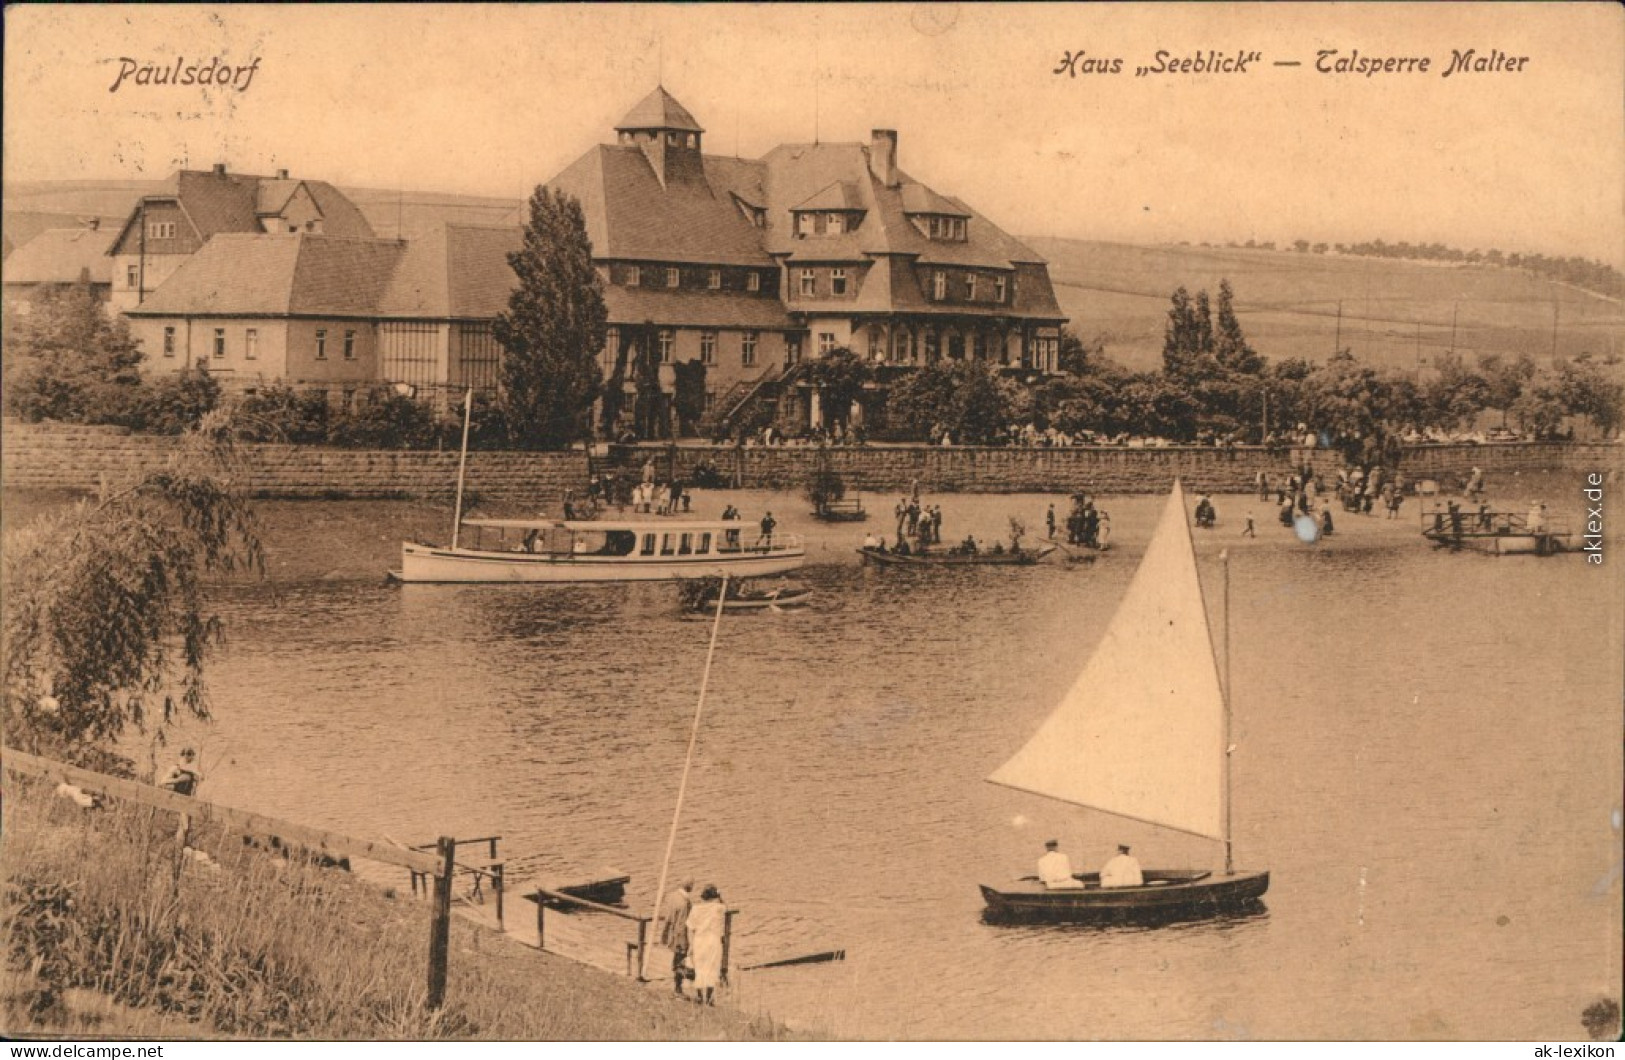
(835, 522)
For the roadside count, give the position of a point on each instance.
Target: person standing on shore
(674, 929)
(707, 919)
(1049, 522)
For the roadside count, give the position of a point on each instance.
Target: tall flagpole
(462, 466)
(688, 761)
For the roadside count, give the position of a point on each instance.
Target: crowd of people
(1087, 524)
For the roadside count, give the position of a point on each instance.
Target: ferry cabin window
(648, 545)
(705, 545)
(686, 547)
(668, 544)
(620, 543)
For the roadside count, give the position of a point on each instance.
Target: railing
(492, 869)
(636, 951)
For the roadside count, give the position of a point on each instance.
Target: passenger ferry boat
(551, 550)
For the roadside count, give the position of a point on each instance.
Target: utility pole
(1337, 343)
(1554, 326)
(1453, 310)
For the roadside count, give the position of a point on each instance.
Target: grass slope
(1392, 311)
(104, 938)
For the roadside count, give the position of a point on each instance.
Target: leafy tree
(1075, 355)
(1456, 394)
(840, 376)
(1586, 387)
(554, 327)
(1505, 379)
(107, 619)
(1539, 408)
(67, 358)
(963, 398)
(391, 421)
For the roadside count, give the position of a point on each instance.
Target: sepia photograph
(813, 523)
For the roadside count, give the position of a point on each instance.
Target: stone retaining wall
(57, 456)
(972, 469)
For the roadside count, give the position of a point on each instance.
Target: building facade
(751, 267)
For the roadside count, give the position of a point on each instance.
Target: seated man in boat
(1055, 868)
(1122, 870)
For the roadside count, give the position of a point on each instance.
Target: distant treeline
(1580, 272)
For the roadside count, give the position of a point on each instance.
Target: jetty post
(440, 925)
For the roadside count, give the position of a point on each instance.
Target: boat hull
(428, 564)
(949, 559)
(758, 602)
(1172, 894)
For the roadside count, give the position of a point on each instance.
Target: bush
(391, 422)
(281, 414)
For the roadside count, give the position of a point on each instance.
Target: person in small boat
(1205, 514)
(1122, 870)
(674, 929)
(707, 919)
(969, 546)
(1055, 868)
(870, 541)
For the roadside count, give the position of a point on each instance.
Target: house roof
(839, 195)
(218, 203)
(658, 110)
(917, 198)
(699, 309)
(63, 255)
(631, 215)
(243, 274)
(453, 271)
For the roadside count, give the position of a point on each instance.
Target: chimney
(220, 170)
(93, 223)
(282, 174)
(883, 156)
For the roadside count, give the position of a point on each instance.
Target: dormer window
(970, 287)
(805, 224)
(753, 281)
(939, 285)
(837, 281)
(826, 222)
(833, 224)
(673, 276)
(713, 280)
(634, 275)
(942, 228)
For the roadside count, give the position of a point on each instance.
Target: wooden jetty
(1498, 533)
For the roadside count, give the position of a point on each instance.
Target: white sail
(1141, 733)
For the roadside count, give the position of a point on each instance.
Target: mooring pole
(462, 467)
(440, 927)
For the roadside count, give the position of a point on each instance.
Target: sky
(491, 100)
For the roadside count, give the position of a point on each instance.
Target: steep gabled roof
(63, 255)
(244, 274)
(658, 110)
(631, 216)
(454, 271)
(839, 195)
(917, 198)
(273, 196)
(217, 203)
(695, 309)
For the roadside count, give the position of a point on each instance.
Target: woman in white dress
(705, 925)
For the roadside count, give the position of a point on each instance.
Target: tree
(1586, 388)
(68, 360)
(840, 376)
(962, 398)
(554, 327)
(107, 615)
(1229, 344)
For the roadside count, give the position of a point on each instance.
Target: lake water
(1428, 762)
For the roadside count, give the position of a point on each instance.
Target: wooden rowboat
(609, 889)
(1166, 893)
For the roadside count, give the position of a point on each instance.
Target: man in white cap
(1122, 870)
(1055, 868)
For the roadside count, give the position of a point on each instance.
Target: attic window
(970, 287)
(805, 224)
(753, 281)
(999, 285)
(833, 224)
(634, 275)
(672, 277)
(713, 280)
(941, 227)
(161, 230)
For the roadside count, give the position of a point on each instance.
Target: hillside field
(1394, 312)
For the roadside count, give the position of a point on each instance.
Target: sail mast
(1229, 868)
(462, 466)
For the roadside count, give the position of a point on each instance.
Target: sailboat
(1144, 735)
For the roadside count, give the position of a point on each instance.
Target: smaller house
(164, 230)
(298, 309)
(58, 257)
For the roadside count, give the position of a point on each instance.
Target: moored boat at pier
(956, 558)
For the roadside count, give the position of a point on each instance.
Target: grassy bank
(111, 931)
